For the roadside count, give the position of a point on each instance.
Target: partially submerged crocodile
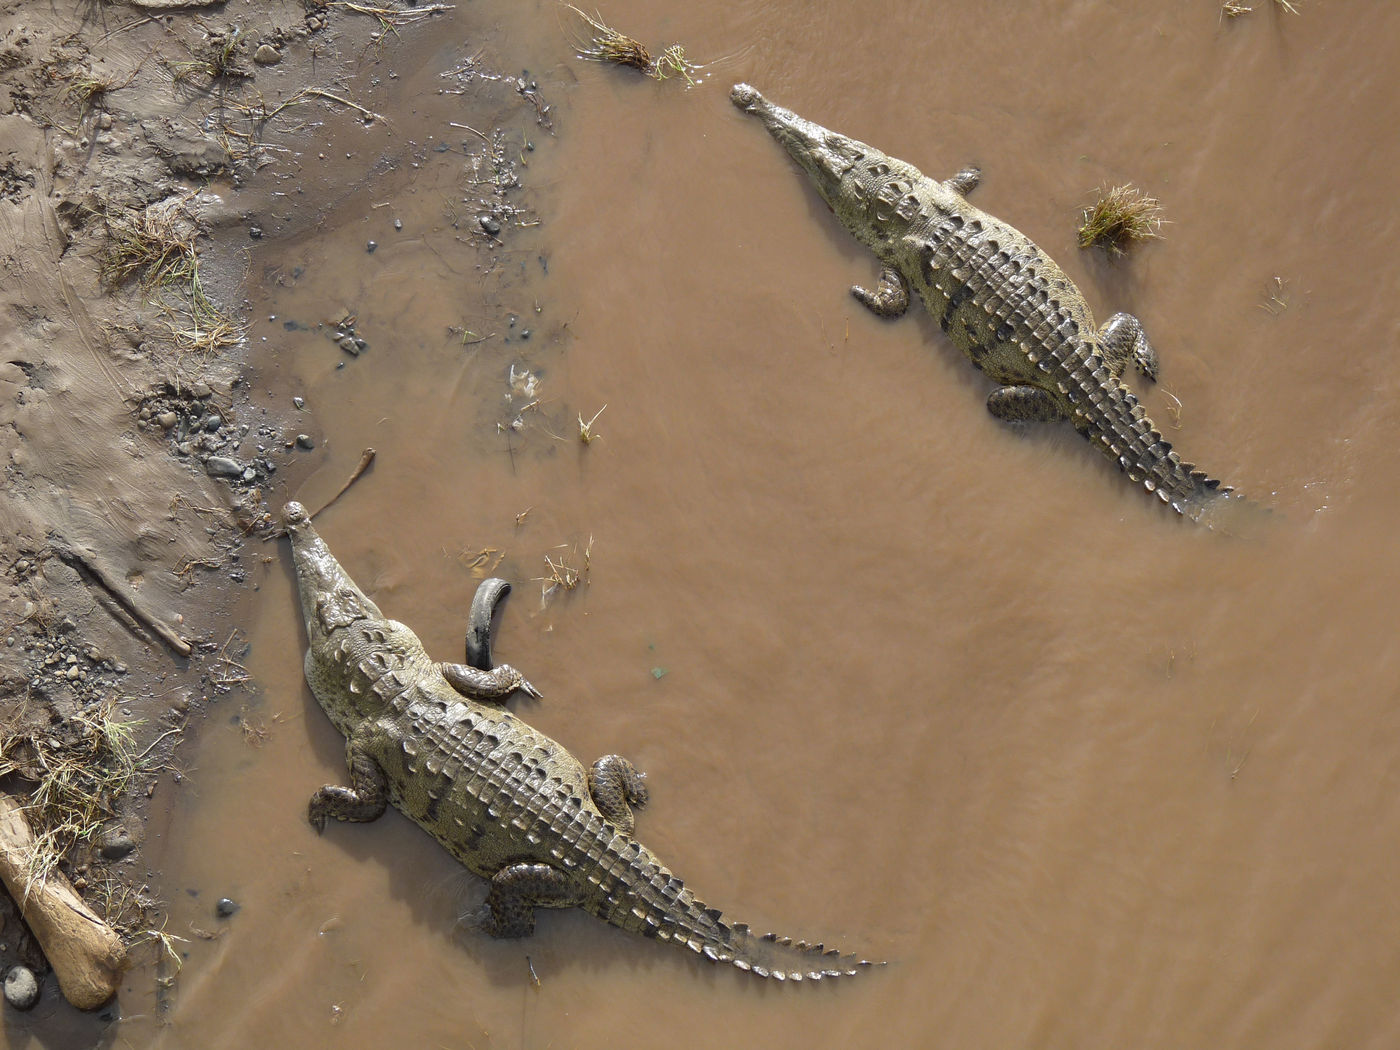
(1000, 298)
(507, 801)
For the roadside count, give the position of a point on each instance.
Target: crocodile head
(329, 597)
(872, 194)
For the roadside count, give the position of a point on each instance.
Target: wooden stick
(366, 458)
(86, 954)
(134, 605)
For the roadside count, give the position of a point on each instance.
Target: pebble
(116, 843)
(167, 419)
(21, 988)
(202, 390)
(489, 224)
(213, 423)
(347, 343)
(223, 467)
(267, 55)
(226, 907)
(398, 224)
(304, 441)
(371, 246)
(255, 232)
(298, 403)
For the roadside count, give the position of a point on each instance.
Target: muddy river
(904, 679)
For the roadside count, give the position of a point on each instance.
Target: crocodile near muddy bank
(511, 804)
(1002, 301)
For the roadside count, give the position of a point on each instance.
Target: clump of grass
(606, 44)
(566, 571)
(157, 246)
(77, 780)
(585, 430)
(219, 60)
(152, 245)
(1233, 9)
(1119, 218)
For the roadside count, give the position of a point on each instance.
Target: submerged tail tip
(784, 960)
(745, 96)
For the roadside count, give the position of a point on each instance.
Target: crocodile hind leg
(1024, 404)
(890, 298)
(1122, 339)
(615, 782)
(516, 891)
(363, 800)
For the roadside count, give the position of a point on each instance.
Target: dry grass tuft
(1233, 9)
(157, 246)
(606, 44)
(585, 430)
(78, 779)
(1119, 218)
(566, 571)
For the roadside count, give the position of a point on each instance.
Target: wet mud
(904, 679)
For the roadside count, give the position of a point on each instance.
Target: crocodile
(1001, 299)
(515, 807)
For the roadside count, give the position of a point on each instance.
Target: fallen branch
(85, 562)
(86, 954)
(366, 458)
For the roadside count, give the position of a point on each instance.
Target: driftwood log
(86, 954)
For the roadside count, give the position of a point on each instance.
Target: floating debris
(607, 44)
(1119, 218)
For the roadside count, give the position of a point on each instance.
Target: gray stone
(21, 988)
(167, 419)
(304, 441)
(267, 55)
(226, 907)
(348, 344)
(489, 224)
(223, 467)
(115, 843)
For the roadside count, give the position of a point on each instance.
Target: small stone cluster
(197, 428)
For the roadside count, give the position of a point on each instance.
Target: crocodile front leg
(363, 800)
(517, 890)
(1024, 404)
(1122, 339)
(965, 181)
(890, 299)
(491, 686)
(614, 782)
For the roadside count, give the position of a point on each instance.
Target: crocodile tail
(652, 901)
(784, 959)
(1119, 427)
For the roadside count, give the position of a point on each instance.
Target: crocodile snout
(744, 96)
(294, 514)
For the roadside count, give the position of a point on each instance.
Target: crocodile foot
(890, 298)
(365, 798)
(516, 891)
(1122, 339)
(615, 782)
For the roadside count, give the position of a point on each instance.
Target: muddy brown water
(903, 679)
